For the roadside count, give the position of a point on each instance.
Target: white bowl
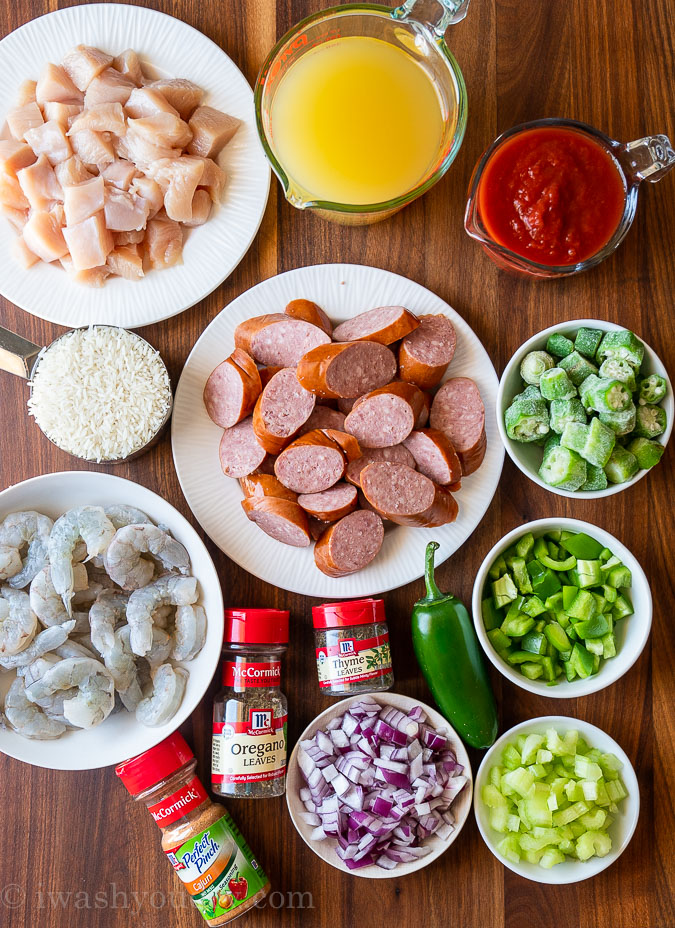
(119, 736)
(631, 632)
(527, 456)
(326, 849)
(621, 830)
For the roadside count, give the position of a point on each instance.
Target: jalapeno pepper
(450, 657)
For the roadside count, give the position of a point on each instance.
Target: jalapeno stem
(432, 590)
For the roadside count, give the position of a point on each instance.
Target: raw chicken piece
(151, 192)
(92, 277)
(83, 63)
(128, 64)
(120, 174)
(5, 134)
(146, 101)
(22, 253)
(109, 87)
(182, 94)
(162, 129)
(17, 217)
(92, 147)
(213, 179)
(39, 184)
(143, 153)
(23, 118)
(49, 139)
(178, 179)
(89, 242)
(71, 172)
(128, 238)
(106, 117)
(14, 156)
(124, 212)
(163, 243)
(61, 112)
(58, 212)
(126, 262)
(44, 237)
(211, 131)
(55, 86)
(201, 208)
(26, 93)
(11, 194)
(83, 200)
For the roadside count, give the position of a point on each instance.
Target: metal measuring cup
(21, 357)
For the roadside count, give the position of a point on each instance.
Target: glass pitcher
(417, 28)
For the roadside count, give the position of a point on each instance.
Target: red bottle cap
(256, 626)
(147, 769)
(352, 612)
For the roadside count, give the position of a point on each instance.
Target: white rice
(100, 393)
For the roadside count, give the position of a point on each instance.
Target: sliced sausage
(282, 408)
(424, 355)
(232, 389)
(278, 339)
(385, 325)
(350, 544)
(259, 484)
(386, 416)
(330, 505)
(398, 454)
(281, 519)
(406, 496)
(266, 374)
(346, 406)
(316, 528)
(349, 444)
(364, 504)
(458, 411)
(423, 417)
(434, 456)
(349, 369)
(240, 451)
(311, 463)
(323, 417)
(310, 312)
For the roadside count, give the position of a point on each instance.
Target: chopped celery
(593, 844)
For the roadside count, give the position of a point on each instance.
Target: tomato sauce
(551, 195)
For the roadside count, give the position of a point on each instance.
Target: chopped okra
(559, 345)
(588, 341)
(556, 385)
(652, 389)
(621, 423)
(578, 368)
(609, 396)
(534, 364)
(617, 369)
(650, 421)
(563, 468)
(563, 411)
(648, 453)
(621, 344)
(622, 466)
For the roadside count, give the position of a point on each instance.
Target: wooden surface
(608, 62)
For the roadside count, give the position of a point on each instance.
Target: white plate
(211, 252)
(120, 736)
(342, 290)
(326, 849)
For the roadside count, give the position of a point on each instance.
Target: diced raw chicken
(49, 139)
(109, 87)
(120, 174)
(5, 134)
(126, 262)
(178, 178)
(146, 101)
(106, 117)
(92, 277)
(83, 63)
(26, 93)
(201, 208)
(71, 172)
(23, 118)
(55, 86)
(11, 193)
(162, 129)
(163, 243)
(17, 217)
(58, 212)
(15, 155)
(124, 212)
(182, 94)
(22, 253)
(92, 147)
(128, 238)
(62, 113)
(39, 184)
(44, 237)
(211, 131)
(89, 242)
(83, 200)
(150, 191)
(213, 179)
(128, 64)
(143, 153)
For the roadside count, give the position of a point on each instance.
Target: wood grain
(609, 62)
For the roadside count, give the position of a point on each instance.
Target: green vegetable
(609, 396)
(563, 411)
(586, 391)
(648, 453)
(622, 465)
(596, 478)
(563, 468)
(582, 546)
(533, 366)
(588, 341)
(577, 367)
(520, 575)
(559, 345)
(558, 637)
(586, 573)
(652, 389)
(451, 660)
(621, 423)
(593, 442)
(556, 385)
(503, 591)
(544, 582)
(517, 626)
(621, 344)
(617, 369)
(527, 418)
(651, 421)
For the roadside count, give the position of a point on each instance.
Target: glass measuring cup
(417, 28)
(649, 158)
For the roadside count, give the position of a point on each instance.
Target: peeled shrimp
(121, 515)
(168, 688)
(109, 609)
(124, 561)
(190, 632)
(72, 648)
(48, 640)
(18, 622)
(19, 530)
(26, 718)
(120, 660)
(93, 698)
(46, 602)
(93, 527)
(170, 590)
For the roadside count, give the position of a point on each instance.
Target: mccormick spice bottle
(352, 647)
(204, 846)
(250, 712)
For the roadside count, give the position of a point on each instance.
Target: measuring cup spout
(438, 14)
(17, 354)
(647, 159)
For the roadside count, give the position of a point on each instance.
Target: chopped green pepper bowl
(587, 786)
(585, 408)
(561, 608)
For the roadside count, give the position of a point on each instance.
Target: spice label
(352, 660)
(251, 673)
(218, 868)
(179, 803)
(251, 750)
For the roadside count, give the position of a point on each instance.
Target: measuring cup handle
(17, 354)
(647, 159)
(447, 13)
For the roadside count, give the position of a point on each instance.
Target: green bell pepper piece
(517, 626)
(544, 582)
(558, 637)
(582, 662)
(534, 642)
(587, 573)
(554, 564)
(568, 594)
(554, 602)
(583, 606)
(497, 569)
(503, 591)
(524, 545)
(533, 606)
(520, 575)
(587, 341)
(619, 576)
(595, 627)
(492, 617)
(622, 607)
(532, 671)
(648, 453)
(499, 641)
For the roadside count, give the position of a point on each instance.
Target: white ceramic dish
(326, 849)
(527, 457)
(621, 830)
(342, 290)
(172, 49)
(631, 632)
(119, 736)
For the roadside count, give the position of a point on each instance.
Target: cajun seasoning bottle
(249, 714)
(352, 647)
(204, 846)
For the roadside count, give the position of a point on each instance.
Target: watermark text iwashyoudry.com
(13, 896)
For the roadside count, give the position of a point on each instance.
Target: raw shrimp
(93, 527)
(120, 660)
(121, 515)
(18, 622)
(168, 688)
(190, 632)
(163, 616)
(46, 602)
(26, 718)
(129, 569)
(18, 530)
(109, 609)
(93, 689)
(170, 590)
(48, 640)
(37, 668)
(162, 644)
(72, 648)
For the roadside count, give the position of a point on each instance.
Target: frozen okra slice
(563, 411)
(618, 369)
(596, 478)
(559, 345)
(556, 385)
(587, 341)
(651, 421)
(594, 442)
(622, 344)
(609, 396)
(533, 366)
(622, 465)
(648, 453)
(575, 436)
(563, 468)
(652, 389)
(577, 367)
(527, 418)
(621, 423)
